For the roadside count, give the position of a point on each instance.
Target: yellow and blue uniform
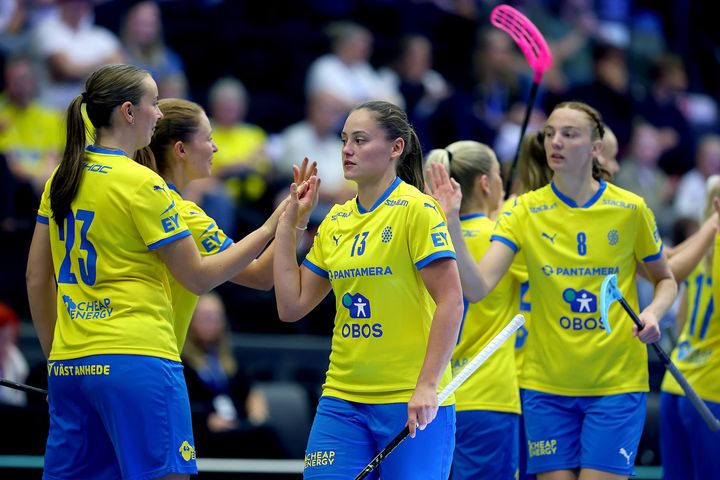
(115, 327)
(488, 403)
(569, 249)
(210, 240)
(689, 449)
(372, 259)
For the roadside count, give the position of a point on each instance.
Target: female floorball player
(488, 403)
(690, 450)
(106, 229)
(183, 148)
(584, 396)
(389, 260)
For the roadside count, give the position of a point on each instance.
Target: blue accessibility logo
(357, 305)
(581, 301)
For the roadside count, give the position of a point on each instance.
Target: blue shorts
(118, 416)
(486, 445)
(523, 454)
(598, 432)
(689, 449)
(346, 436)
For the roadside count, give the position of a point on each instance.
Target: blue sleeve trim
(509, 243)
(228, 241)
(169, 239)
(315, 269)
(43, 219)
(651, 258)
(435, 256)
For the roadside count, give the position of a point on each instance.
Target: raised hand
(445, 190)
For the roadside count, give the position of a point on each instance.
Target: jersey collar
(106, 151)
(571, 203)
(382, 198)
(470, 216)
(172, 187)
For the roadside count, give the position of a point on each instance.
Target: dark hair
(181, 119)
(107, 87)
(533, 169)
(597, 132)
(394, 121)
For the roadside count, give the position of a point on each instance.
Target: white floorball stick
(469, 369)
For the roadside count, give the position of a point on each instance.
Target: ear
(397, 149)
(482, 183)
(126, 111)
(179, 149)
(597, 148)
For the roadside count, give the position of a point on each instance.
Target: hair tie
(84, 96)
(449, 155)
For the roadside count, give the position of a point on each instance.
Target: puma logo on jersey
(552, 239)
(625, 454)
(430, 205)
(159, 187)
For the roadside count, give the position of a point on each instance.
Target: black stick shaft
(21, 386)
(383, 453)
(526, 120)
(712, 422)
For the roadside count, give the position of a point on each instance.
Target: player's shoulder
(615, 196)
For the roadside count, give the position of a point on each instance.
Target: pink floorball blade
(526, 36)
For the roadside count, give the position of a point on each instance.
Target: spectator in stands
(609, 90)
(71, 46)
(609, 152)
(412, 75)
(240, 167)
(660, 107)
(144, 46)
(692, 186)
(317, 137)
(639, 173)
(346, 72)
(13, 366)
(31, 139)
(227, 412)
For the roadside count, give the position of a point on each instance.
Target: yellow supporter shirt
(569, 250)
(113, 292)
(384, 312)
(31, 135)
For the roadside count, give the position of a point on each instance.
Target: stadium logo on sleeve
(581, 301)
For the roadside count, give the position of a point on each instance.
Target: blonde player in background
(488, 404)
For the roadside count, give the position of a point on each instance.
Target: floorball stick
(21, 386)
(609, 292)
(537, 53)
(469, 369)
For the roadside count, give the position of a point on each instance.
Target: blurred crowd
(278, 81)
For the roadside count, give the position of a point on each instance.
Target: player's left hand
(651, 330)
(422, 408)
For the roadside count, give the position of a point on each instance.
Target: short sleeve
(507, 229)
(156, 214)
(209, 238)
(315, 259)
(44, 213)
(648, 243)
(428, 236)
